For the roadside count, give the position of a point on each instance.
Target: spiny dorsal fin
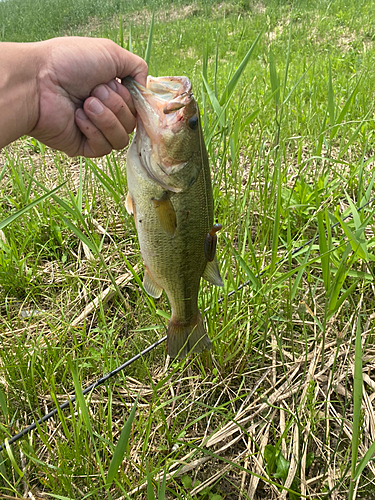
(212, 273)
(150, 286)
(166, 213)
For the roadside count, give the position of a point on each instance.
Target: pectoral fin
(129, 204)
(166, 213)
(150, 286)
(212, 273)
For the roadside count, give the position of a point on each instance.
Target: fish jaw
(168, 124)
(157, 103)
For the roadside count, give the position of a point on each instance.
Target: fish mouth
(164, 104)
(165, 130)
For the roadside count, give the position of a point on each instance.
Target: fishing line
(85, 391)
(109, 375)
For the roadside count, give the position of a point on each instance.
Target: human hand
(83, 110)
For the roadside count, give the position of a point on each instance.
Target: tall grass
(282, 406)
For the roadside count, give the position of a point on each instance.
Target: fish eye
(193, 122)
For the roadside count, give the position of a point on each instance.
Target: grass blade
(299, 274)
(345, 109)
(121, 32)
(276, 223)
(161, 494)
(150, 486)
(205, 61)
(365, 460)
(23, 210)
(274, 78)
(331, 97)
(323, 247)
(340, 277)
(215, 103)
(130, 44)
(81, 399)
(80, 235)
(357, 401)
(12, 459)
(352, 138)
(358, 245)
(149, 41)
(121, 446)
(343, 297)
(60, 497)
(3, 405)
(234, 80)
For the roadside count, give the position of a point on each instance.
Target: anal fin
(212, 273)
(150, 286)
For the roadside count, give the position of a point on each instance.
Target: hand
(83, 109)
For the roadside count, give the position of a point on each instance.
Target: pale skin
(65, 92)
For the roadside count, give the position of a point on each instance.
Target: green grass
(284, 400)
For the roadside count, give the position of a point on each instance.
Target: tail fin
(185, 338)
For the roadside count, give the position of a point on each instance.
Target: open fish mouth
(171, 93)
(166, 103)
(168, 137)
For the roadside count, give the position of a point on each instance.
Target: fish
(170, 196)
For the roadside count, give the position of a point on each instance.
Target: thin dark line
(85, 391)
(109, 375)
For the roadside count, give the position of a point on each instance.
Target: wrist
(19, 90)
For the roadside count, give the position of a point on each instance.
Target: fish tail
(183, 338)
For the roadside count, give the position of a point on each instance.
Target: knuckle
(109, 125)
(123, 142)
(100, 150)
(118, 105)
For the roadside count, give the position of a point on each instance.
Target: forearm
(19, 96)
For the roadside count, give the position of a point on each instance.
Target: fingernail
(95, 106)
(81, 114)
(101, 93)
(112, 85)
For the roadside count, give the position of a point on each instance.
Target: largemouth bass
(170, 196)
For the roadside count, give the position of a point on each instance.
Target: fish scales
(173, 212)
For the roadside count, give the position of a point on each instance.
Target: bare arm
(18, 90)
(64, 93)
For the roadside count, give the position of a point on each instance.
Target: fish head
(169, 134)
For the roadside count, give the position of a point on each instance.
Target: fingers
(106, 120)
(129, 64)
(94, 143)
